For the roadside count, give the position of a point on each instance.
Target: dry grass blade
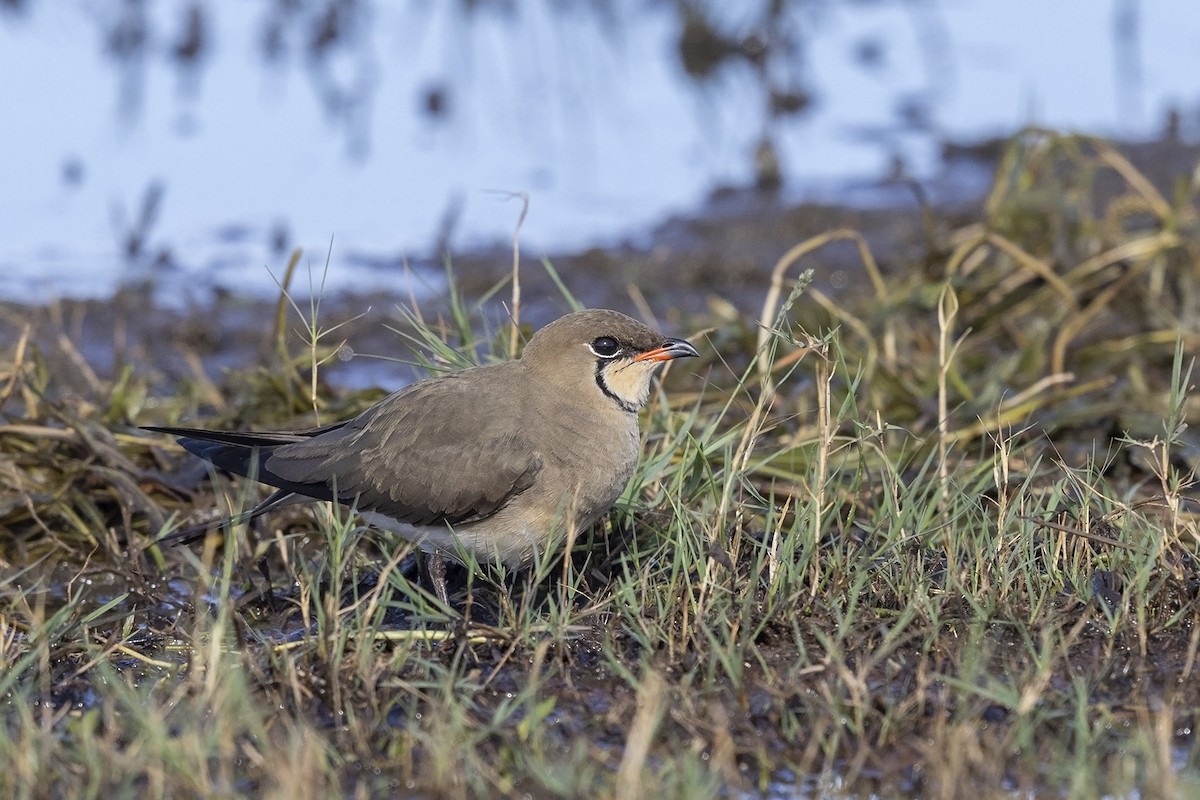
(650, 704)
(1082, 534)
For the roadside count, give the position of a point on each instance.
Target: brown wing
(446, 450)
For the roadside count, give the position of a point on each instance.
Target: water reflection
(394, 128)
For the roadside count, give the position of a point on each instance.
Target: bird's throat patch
(626, 382)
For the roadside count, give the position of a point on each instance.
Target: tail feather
(239, 438)
(245, 453)
(195, 533)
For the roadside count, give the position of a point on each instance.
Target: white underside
(515, 548)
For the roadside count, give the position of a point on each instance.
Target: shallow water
(194, 146)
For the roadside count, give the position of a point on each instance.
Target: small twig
(1091, 537)
(515, 334)
(17, 366)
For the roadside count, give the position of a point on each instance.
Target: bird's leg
(437, 576)
(264, 569)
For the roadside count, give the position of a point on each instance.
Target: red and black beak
(671, 348)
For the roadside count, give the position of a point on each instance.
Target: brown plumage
(495, 460)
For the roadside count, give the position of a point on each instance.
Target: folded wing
(422, 456)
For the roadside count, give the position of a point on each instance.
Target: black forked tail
(242, 453)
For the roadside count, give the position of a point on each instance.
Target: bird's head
(605, 351)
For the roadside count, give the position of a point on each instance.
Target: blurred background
(190, 145)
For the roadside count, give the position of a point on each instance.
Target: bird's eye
(605, 347)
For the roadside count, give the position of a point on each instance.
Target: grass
(932, 538)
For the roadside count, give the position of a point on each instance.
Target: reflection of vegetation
(329, 40)
(771, 42)
(945, 544)
(314, 33)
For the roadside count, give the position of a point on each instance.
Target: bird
(494, 461)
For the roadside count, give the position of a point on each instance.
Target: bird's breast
(589, 459)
